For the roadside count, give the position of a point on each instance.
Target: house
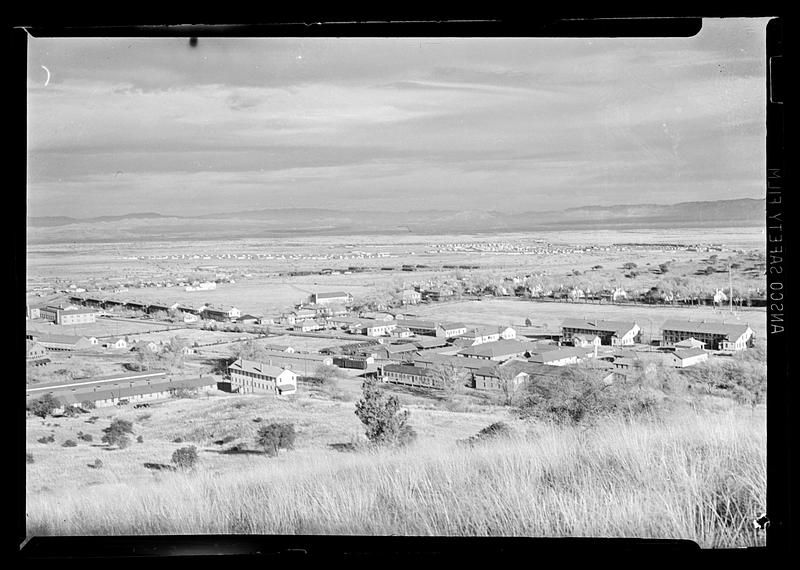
(222, 314)
(507, 333)
(115, 343)
(248, 319)
(144, 345)
(499, 350)
(559, 355)
(303, 364)
(581, 340)
(249, 376)
(410, 297)
(480, 335)
(63, 342)
(190, 318)
(191, 309)
(427, 328)
(307, 326)
(378, 328)
(519, 372)
(138, 306)
(161, 307)
(396, 351)
(686, 357)
(337, 297)
(377, 316)
(690, 342)
(34, 351)
(614, 333)
(67, 315)
(93, 340)
(401, 332)
(426, 343)
(716, 336)
(452, 329)
(293, 317)
(410, 375)
(33, 311)
(136, 392)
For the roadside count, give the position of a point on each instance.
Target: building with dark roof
(67, 315)
(687, 357)
(63, 342)
(614, 333)
(410, 376)
(330, 298)
(716, 336)
(250, 376)
(497, 350)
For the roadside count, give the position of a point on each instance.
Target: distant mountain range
(312, 221)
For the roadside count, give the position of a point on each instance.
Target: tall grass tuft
(698, 476)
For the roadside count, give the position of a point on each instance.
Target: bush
(97, 464)
(139, 439)
(85, 436)
(581, 395)
(117, 433)
(44, 406)
(71, 411)
(177, 440)
(29, 458)
(69, 443)
(385, 423)
(185, 457)
(276, 436)
(46, 439)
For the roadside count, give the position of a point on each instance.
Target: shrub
(71, 411)
(85, 436)
(117, 433)
(384, 421)
(177, 440)
(139, 439)
(97, 464)
(46, 439)
(185, 457)
(69, 443)
(29, 458)
(44, 406)
(497, 429)
(276, 436)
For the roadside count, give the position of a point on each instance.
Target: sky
(123, 125)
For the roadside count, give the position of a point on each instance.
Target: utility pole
(730, 288)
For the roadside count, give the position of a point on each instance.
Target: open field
(697, 475)
(258, 288)
(100, 328)
(548, 316)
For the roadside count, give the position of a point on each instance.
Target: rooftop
(729, 330)
(497, 348)
(256, 367)
(617, 327)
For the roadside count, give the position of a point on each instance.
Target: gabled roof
(557, 353)
(430, 342)
(398, 348)
(418, 324)
(730, 330)
(257, 367)
(689, 353)
(690, 342)
(60, 339)
(332, 295)
(497, 348)
(407, 369)
(457, 361)
(617, 327)
(453, 325)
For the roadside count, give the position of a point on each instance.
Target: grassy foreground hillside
(695, 474)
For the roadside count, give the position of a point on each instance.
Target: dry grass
(699, 476)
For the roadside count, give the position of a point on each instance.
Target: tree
(44, 406)
(276, 436)
(385, 422)
(117, 433)
(185, 457)
(328, 375)
(509, 385)
(449, 378)
(249, 350)
(145, 359)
